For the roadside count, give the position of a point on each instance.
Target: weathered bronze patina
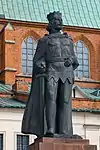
(49, 108)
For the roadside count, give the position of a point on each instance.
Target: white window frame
(18, 133)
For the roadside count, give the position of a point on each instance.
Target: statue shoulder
(44, 38)
(68, 36)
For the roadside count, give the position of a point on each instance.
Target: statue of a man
(54, 62)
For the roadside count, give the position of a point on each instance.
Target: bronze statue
(49, 108)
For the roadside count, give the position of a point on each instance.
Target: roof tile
(14, 103)
(75, 12)
(11, 103)
(5, 88)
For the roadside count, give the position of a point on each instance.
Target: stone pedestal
(61, 144)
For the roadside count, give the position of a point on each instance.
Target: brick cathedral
(21, 26)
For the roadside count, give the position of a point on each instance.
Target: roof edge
(42, 25)
(73, 110)
(86, 110)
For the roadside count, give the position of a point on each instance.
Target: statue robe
(34, 121)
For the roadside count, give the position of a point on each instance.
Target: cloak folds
(34, 121)
(34, 116)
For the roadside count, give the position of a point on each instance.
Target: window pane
(80, 74)
(29, 46)
(23, 45)
(85, 56)
(85, 50)
(28, 50)
(22, 142)
(24, 69)
(75, 73)
(29, 40)
(79, 50)
(30, 63)
(23, 56)
(86, 68)
(30, 57)
(75, 49)
(86, 74)
(79, 56)
(24, 51)
(34, 44)
(30, 70)
(83, 59)
(23, 62)
(79, 44)
(80, 67)
(1, 141)
(80, 61)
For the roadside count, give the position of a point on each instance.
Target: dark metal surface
(49, 107)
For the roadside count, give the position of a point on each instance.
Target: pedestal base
(61, 144)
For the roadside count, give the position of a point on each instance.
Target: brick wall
(15, 32)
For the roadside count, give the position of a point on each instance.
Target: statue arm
(75, 63)
(39, 65)
(73, 59)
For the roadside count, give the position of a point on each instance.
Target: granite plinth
(61, 144)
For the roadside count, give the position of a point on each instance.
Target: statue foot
(49, 134)
(55, 135)
(61, 136)
(75, 136)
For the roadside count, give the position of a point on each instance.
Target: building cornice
(44, 25)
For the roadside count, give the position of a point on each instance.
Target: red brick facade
(11, 37)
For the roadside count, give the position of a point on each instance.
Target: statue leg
(65, 109)
(51, 95)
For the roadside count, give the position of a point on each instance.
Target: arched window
(28, 50)
(82, 54)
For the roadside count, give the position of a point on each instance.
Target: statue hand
(68, 62)
(41, 68)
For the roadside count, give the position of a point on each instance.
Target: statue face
(56, 22)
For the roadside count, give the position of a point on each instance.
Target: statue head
(55, 21)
